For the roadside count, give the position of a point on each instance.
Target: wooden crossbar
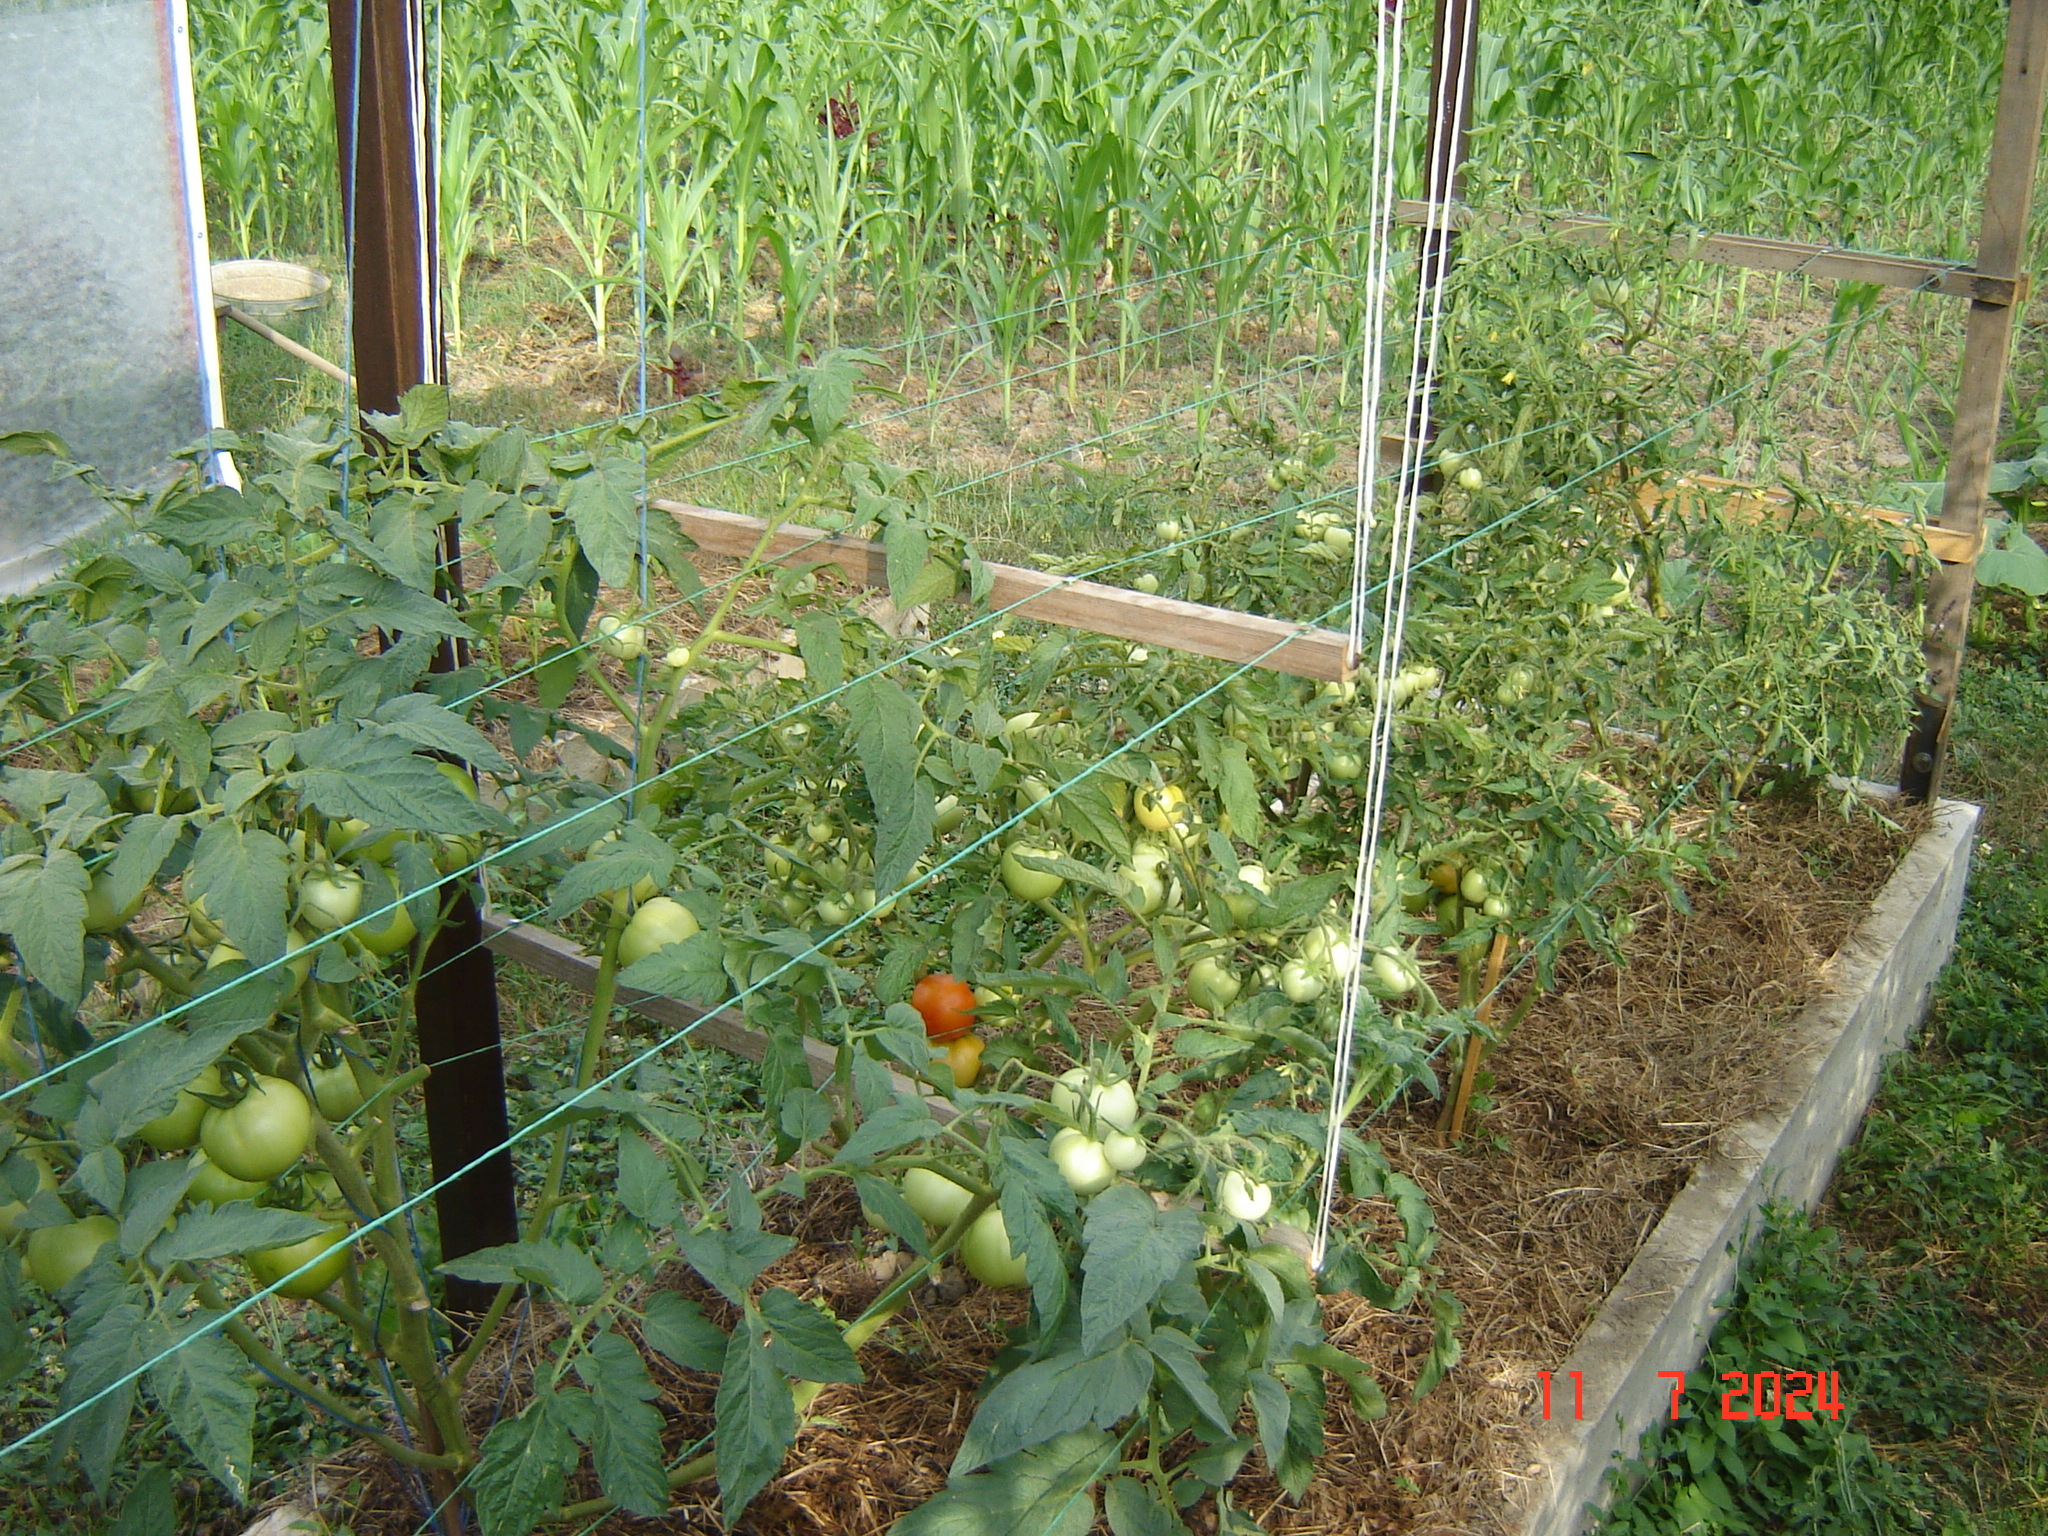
(1301, 650)
(1694, 491)
(1757, 253)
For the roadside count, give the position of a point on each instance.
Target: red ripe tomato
(946, 1003)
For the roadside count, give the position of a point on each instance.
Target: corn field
(1035, 170)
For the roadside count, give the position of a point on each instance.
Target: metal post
(388, 208)
(2001, 252)
(1453, 60)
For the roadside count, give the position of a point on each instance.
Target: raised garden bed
(1632, 1124)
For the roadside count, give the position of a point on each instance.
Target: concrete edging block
(1659, 1316)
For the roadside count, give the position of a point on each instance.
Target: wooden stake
(379, 49)
(2001, 252)
(1453, 1122)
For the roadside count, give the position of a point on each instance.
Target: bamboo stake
(1453, 1121)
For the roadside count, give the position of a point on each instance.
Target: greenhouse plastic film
(106, 331)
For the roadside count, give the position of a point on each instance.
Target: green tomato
(270, 1265)
(344, 837)
(395, 932)
(262, 1135)
(1123, 1150)
(212, 1187)
(1146, 888)
(947, 816)
(935, 1198)
(1300, 983)
(1169, 530)
(1497, 908)
(178, 1127)
(985, 1250)
(1344, 766)
(1470, 479)
(1473, 888)
(1212, 985)
(59, 1255)
(1244, 907)
(1241, 1199)
(1082, 1162)
(1393, 975)
(1113, 1104)
(658, 924)
(619, 640)
(1146, 582)
(1036, 801)
(335, 1088)
(328, 902)
(1030, 884)
(101, 915)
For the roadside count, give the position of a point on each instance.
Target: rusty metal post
(2001, 252)
(1453, 61)
(388, 207)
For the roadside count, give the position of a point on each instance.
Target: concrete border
(1660, 1314)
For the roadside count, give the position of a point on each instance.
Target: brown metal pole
(1453, 60)
(2001, 252)
(388, 208)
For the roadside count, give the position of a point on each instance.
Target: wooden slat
(1756, 501)
(1759, 254)
(552, 955)
(1297, 649)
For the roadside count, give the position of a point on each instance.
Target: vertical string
(640, 345)
(1424, 348)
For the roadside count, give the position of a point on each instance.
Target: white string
(1424, 351)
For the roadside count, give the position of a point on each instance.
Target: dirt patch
(1601, 1102)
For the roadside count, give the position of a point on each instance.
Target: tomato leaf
(693, 970)
(150, 1070)
(154, 1190)
(1132, 1250)
(523, 1467)
(604, 504)
(805, 1343)
(1026, 1185)
(42, 904)
(730, 1260)
(242, 876)
(203, 1388)
(417, 718)
(237, 1227)
(637, 855)
(347, 771)
(677, 1327)
(1240, 792)
(1048, 1490)
(625, 1438)
(1070, 1391)
(569, 1272)
(893, 1126)
(756, 1418)
(885, 725)
(820, 637)
(146, 841)
(646, 1186)
(1133, 1511)
(148, 1510)
(1176, 1351)
(95, 1364)
(1088, 811)
(889, 1207)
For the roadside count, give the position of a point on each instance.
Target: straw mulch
(1604, 1098)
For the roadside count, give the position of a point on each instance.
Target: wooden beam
(1832, 262)
(1754, 501)
(552, 955)
(1980, 394)
(1300, 650)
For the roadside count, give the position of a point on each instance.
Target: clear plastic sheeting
(106, 325)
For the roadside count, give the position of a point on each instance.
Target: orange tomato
(963, 1055)
(946, 1004)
